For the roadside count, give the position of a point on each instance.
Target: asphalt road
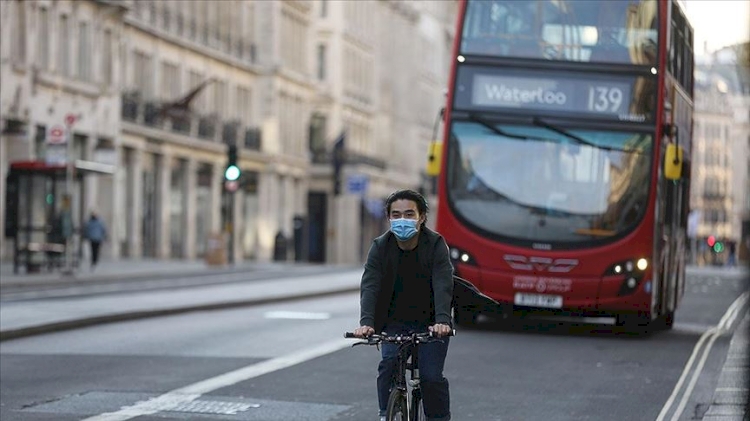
(288, 361)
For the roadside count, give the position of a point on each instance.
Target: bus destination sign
(610, 97)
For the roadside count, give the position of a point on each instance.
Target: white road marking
(711, 334)
(299, 315)
(194, 391)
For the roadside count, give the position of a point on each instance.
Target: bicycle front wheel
(397, 406)
(417, 409)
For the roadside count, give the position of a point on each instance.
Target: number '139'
(604, 99)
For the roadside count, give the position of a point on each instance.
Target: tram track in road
(675, 405)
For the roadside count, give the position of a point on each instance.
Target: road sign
(357, 183)
(56, 135)
(70, 119)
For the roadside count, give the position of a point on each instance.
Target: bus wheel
(465, 316)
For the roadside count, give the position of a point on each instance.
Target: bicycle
(403, 405)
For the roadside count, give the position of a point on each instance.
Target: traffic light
(232, 172)
(719, 247)
(711, 240)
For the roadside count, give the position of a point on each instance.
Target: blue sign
(356, 183)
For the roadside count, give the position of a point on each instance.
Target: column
(216, 190)
(290, 204)
(347, 235)
(164, 187)
(110, 192)
(267, 211)
(134, 204)
(90, 182)
(191, 181)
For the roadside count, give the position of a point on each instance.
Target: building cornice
(193, 46)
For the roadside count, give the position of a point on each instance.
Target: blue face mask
(404, 229)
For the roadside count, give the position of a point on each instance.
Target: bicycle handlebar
(399, 338)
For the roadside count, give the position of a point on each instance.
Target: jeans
(95, 245)
(435, 394)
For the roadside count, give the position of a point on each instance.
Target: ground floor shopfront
(166, 200)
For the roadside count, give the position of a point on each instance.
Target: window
(42, 52)
(107, 57)
(40, 142)
(63, 50)
(142, 74)
(244, 105)
(84, 52)
(321, 62)
(19, 46)
(170, 81)
(220, 98)
(583, 31)
(199, 103)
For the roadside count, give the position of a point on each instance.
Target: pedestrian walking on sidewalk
(407, 286)
(96, 232)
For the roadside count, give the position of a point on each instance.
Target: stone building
(163, 88)
(721, 154)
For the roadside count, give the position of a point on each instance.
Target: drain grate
(212, 407)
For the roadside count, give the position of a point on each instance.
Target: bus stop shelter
(42, 217)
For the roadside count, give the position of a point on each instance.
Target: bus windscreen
(602, 31)
(540, 183)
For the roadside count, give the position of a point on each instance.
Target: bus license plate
(538, 300)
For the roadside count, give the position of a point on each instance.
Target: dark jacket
(380, 276)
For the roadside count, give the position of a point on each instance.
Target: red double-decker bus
(564, 181)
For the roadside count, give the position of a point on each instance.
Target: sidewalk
(737, 271)
(730, 400)
(126, 269)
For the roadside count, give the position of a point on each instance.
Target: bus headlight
(458, 255)
(455, 254)
(627, 267)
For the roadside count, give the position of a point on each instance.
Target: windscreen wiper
(478, 119)
(581, 141)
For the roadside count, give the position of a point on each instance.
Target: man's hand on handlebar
(363, 331)
(440, 329)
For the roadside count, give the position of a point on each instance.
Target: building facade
(721, 154)
(59, 60)
(172, 84)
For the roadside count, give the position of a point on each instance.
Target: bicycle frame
(408, 360)
(408, 404)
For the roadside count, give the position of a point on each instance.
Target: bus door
(671, 221)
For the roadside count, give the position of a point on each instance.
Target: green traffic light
(232, 173)
(719, 247)
(50, 198)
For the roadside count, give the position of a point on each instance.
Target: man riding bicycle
(407, 286)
